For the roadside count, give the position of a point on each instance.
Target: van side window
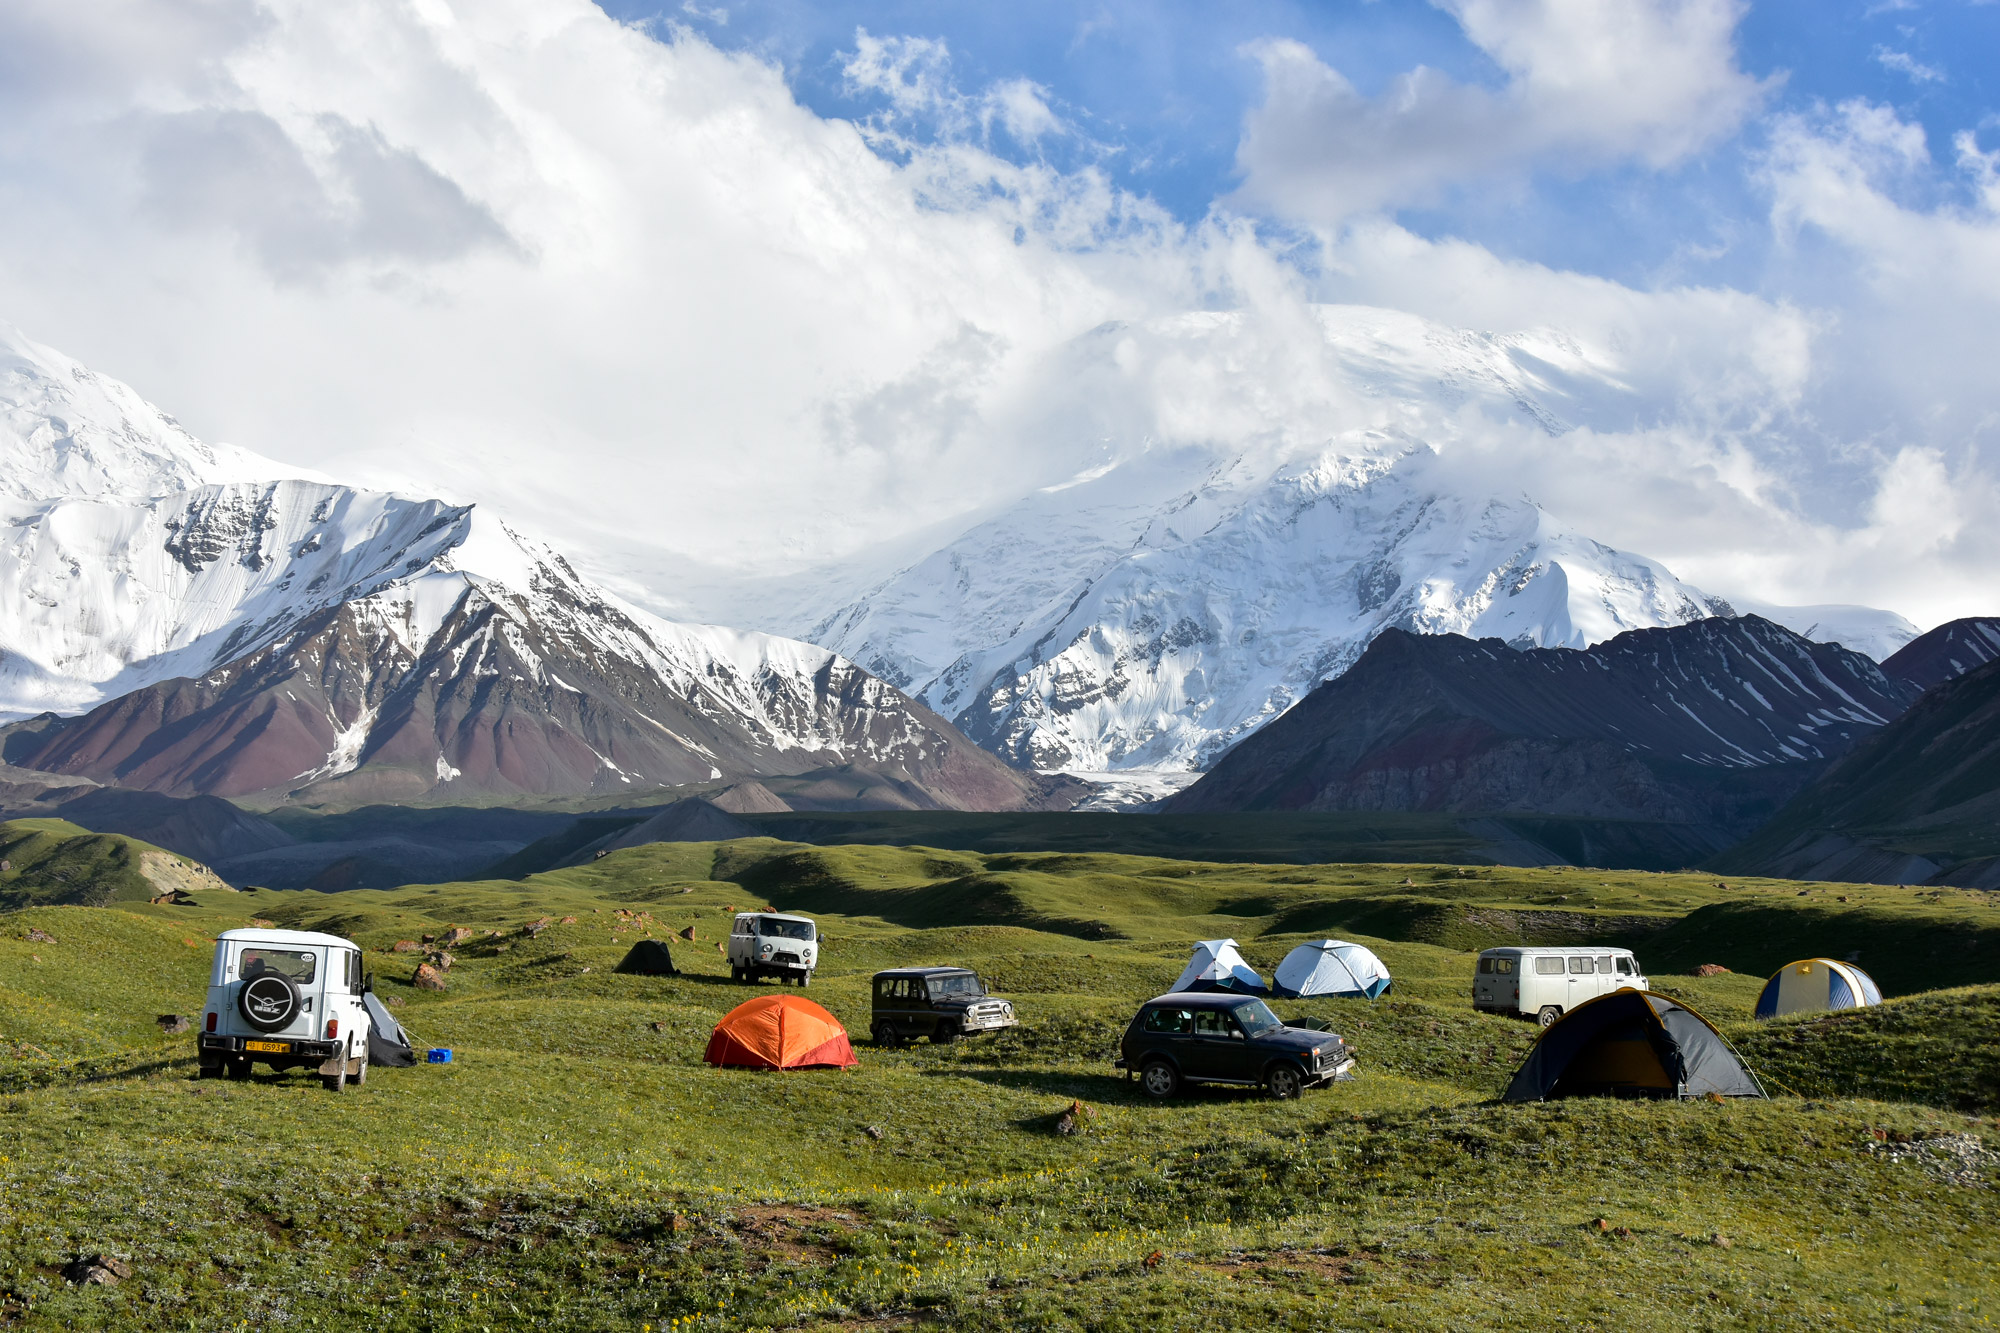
(1604, 964)
(1504, 966)
(1581, 966)
(1548, 967)
(1626, 968)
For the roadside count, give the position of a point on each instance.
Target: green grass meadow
(577, 1166)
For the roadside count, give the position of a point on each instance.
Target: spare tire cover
(268, 1001)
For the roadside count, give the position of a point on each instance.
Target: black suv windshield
(784, 930)
(959, 986)
(1256, 1018)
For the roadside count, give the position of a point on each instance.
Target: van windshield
(298, 964)
(772, 928)
(957, 986)
(1256, 1018)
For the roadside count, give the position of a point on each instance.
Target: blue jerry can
(439, 1055)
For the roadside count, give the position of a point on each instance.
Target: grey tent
(388, 1044)
(1631, 1043)
(648, 958)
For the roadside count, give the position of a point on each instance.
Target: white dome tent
(1331, 967)
(1813, 985)
(1217, 966)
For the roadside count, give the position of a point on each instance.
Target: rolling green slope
(51, 861)
(578, 1166)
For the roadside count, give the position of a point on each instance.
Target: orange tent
(780, 1032)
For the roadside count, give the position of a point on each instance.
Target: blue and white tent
(1331, 967)
(1217, 966)
(1813, 985)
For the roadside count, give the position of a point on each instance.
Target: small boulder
(172, 1023)
(873, 1131)
(442, 961)
(40, 936)
(569, 921)
(427, 978)
(1711, 970)
(1721, 1242)
(97, 1270)
(406, 946)
(395, 1001)
(1071, 1121)
(688, 934)
(456, 935)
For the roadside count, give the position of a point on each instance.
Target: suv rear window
(298, 964)
(1169, 1020)
(1548, 967)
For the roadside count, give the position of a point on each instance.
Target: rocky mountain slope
(1917, 803)
(1947, 652)
(1713, 723)
(278, 639)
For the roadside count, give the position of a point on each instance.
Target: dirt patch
(789, 1233)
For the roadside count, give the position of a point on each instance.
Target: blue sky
(1159, 92)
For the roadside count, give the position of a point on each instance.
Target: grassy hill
(51, 861)
(577, 1165)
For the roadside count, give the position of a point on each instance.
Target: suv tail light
(209, 1026)
(332, 1028)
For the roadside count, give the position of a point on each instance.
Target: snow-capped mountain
(1137, 620)
(260, 637)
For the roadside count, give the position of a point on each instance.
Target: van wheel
(1548, 1015)
(885, 1034)
(1160, 1080)
(1284, 1083)
(805, 979)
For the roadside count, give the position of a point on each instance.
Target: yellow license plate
(274, 1047)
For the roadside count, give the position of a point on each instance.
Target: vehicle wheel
(1548, 1015)
(210, 1071)
(736, 975)
(237, 1068)
(1160, 1080)
(361, 1075)
(886, 1035)
(1284, 1082)
(805, 979)
(336, 1082)
(944, 1034)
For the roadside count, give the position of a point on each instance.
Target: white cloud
(628, 288)
(1902, 62)
(1585, 82)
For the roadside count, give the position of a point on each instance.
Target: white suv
(286, 998)
(773, 944)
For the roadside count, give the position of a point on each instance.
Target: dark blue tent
(1631, 1043)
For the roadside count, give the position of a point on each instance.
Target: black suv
(942, 1003)
(1217, 1037)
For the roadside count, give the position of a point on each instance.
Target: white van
(286, 998)
(1546, 982)
(773, 944)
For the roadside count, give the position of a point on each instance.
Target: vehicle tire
(1284, 1082)
(1160, 1080)
(805, 980)
(269, 1001)
(237, 1068)
(945, 1033)
(210, 1071)
(361, 1074)
(1547, 1015)
(885, 1034)
(736, 975)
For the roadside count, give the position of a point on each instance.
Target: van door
(1607, 978)
(1582, 980)
(1548, 984)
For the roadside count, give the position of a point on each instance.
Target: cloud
(623, 285)
(1584, 83)
(1902, 62)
